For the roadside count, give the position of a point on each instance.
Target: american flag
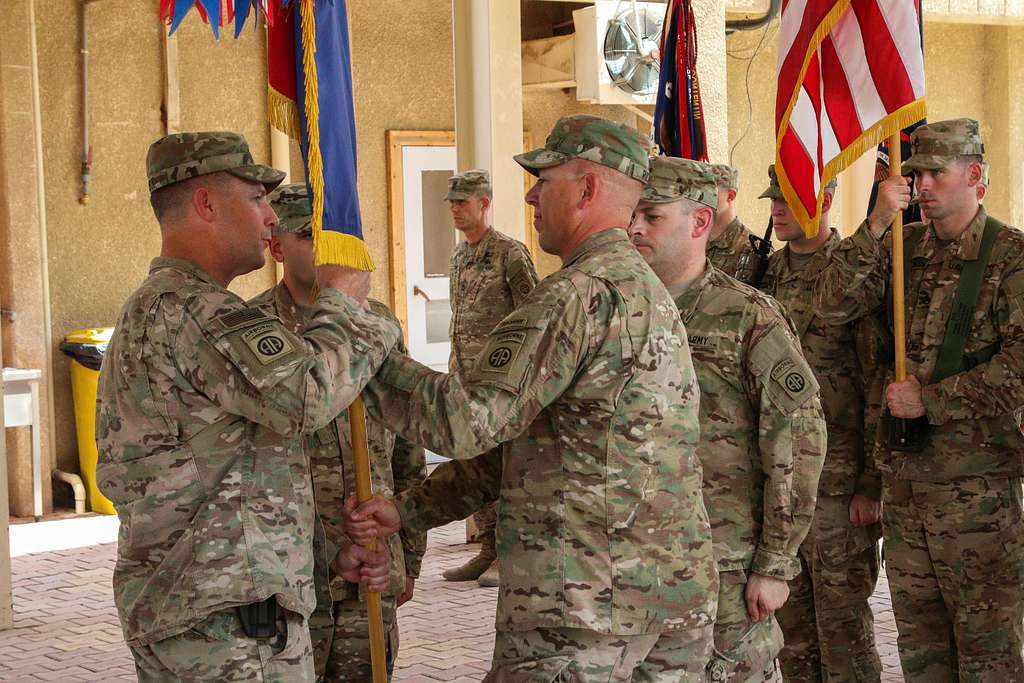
(851, 73)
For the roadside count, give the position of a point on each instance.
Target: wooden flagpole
(364, 491)
(899, 310)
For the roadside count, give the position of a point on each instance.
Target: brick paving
(65, 625)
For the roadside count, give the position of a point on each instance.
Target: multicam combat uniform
(601, 522)
(827, 620)
(953, 513)
(338, 627)
(762, 439)
(488, 280)
(732, 253)
(762, 447)
(202, 400)
(608, 567)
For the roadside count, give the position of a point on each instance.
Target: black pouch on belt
(259, 619)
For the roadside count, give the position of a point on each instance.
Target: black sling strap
(961, 317)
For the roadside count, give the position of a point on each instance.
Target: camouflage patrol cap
(935, 145)
(593, 139)
(293, 208)
(182, 156)
(774, 191)
(727, 176)
(673, 179)
(468, 183)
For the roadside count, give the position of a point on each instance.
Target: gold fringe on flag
(328, 246)
(283, 113)
(882, 129)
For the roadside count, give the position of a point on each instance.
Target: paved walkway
(66, 628)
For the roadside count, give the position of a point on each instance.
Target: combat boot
(489, 579)
(472, 570)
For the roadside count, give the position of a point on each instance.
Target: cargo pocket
(219, 627)
(546, 670)
(159, 519)
(754, 652)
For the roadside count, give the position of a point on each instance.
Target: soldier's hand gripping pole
(904, 434)
(364, 492)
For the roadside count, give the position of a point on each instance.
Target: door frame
(397, 141)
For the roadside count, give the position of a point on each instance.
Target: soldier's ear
(203, 204)
(826, 201)
(275, 248)
(703, 219)
(732, 194)
(589, 181)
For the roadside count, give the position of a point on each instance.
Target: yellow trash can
(86, 349)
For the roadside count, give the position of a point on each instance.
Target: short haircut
(169, 200)
(968, 159)
(690, 205)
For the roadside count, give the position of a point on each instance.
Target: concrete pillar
(489, 102)
(6, 597)
(1014, 178)
(851, 203)
(997, 121)
(711, 65)
(23, 277)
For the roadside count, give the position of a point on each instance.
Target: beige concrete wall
(99, 252)
(21, 271)
(967, 80)
(396, 88)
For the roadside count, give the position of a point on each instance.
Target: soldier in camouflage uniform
(491, 274)
(763, 439)
(201, 406)
(608, 571)
(827, 622)
(338, 627)
(729, 248)
(954, 546)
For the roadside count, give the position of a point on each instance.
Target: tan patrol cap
(673, 179)
(727, 176)
(293, 208)
(935, 145)
(182, 156)
(464, 185)
(594, 139)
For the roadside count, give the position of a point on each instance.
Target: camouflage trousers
(572, 655)
(217, 649)
(827, 621)
(745, 650)
(955, 561)
(341, 640)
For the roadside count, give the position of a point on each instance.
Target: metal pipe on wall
(83, 195)
(44, 261)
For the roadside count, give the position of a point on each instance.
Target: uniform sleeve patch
(793, 380)
(502, 352)
(505, 361)
(267, 342)
(522, 284)
(239, 319)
